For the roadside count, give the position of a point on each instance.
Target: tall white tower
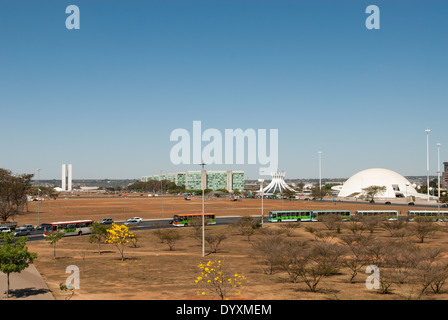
(64, 177)
(67, 177)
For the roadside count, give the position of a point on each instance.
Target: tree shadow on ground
(26, 292)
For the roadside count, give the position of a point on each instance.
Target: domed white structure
(396, 185)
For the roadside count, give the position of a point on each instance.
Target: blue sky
(107, 96)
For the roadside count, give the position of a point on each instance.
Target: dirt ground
(121, 208)
(152, 272)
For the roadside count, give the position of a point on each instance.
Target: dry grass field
(152, 272)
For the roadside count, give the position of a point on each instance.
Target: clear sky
(106, 97)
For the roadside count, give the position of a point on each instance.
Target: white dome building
(397, 186)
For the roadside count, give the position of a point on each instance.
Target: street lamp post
(161, 192)
(427, 162)
(262, 197)
(320, 170)
(203, 216)
(438, 169)
(38, 195)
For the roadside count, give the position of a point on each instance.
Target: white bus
(70, 228)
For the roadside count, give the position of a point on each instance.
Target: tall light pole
(427, 162)
(203, 177)
(38, 195)
(161, 192)
(262, 196)
(320, 170)
(438, 169)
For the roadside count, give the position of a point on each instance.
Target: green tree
(318, 193)
(98, 235)
(53, 238)
(13, 191)
(288, 193)
(14, 256)
(371, 192)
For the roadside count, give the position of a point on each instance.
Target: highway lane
(151, 224)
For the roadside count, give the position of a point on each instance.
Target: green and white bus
(344, 214)
(390, 215)
(183, 220)
(435, 215)
(286, 216)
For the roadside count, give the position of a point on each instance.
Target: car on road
(22, 232)
(136, 218)
(411, 203)
(5, 229)
(40, 227)
(107, 221)
(132, 223)
(28, 227)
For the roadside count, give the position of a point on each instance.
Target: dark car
(40, 227)
(387, 202)
(107, 221)
(22, 232)
(411, 203)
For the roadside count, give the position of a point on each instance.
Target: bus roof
(192, 214)
(293, 211)
(68, 222)
(428, 211)
(331, 210)
(377, 211)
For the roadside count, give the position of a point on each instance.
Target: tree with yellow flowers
(120, 236)
(216, 280)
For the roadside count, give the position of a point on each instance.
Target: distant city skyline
(105, 97)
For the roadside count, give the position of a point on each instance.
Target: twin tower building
(66, 177)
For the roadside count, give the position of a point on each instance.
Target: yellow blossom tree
(216, 280)
(120, 236)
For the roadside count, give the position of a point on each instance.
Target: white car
(5, 229)
(136, 218)
(132, 223)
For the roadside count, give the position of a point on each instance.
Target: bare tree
(169, 236)
(357, 254)
(423, 228)
(396, 228)
(321, 259)
(246, 226)
(269, 249)
(332, 222)
(214, 241)
(288, 228)
(371, 222)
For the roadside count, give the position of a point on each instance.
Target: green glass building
(214, 180)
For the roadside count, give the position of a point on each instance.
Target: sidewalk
(27, 285)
